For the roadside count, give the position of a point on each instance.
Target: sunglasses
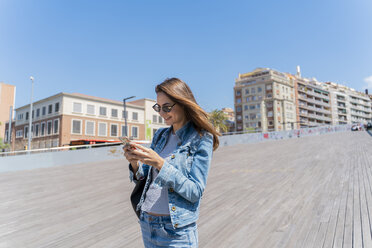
(166, 108)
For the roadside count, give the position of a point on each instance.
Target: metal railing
(64, 148)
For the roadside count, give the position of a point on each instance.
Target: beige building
(7, 100)
(348, 105)
(65, 117)
(313, 103)
(264, 101)
(268, 100)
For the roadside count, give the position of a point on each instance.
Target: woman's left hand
(147, 156)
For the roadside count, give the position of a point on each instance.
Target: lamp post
(125, 113)
(30, 116)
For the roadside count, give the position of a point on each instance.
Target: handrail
(65, 148)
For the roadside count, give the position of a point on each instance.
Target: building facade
(264, 101)
(348, 105)
(65, 117)
(7, 101)
(313, 103)
(268, 100)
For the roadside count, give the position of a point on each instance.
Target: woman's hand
(146, 156)
(132, 159)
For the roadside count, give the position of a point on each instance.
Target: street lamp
(30, 115)
(125, 113)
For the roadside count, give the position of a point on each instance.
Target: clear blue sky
(115, 49)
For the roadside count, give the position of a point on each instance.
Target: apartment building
(313, 103)
(7, 100)
(64, 117)
(348, 105)
(264, 100)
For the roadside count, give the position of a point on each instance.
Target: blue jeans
(158, 231)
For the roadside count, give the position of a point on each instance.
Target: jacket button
(173, 208)
(171, 190)
(173, 156)
(175, 225)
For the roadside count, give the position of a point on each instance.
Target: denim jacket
(184, 173)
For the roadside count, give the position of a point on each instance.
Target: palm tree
(218, 119)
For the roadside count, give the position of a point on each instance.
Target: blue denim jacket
(184, 173)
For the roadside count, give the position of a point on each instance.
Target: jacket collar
(182, 132)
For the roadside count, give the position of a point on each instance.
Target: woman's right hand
(132, 159)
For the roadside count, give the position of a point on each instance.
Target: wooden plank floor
(307, 192)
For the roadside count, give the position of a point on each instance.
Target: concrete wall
(50, 159)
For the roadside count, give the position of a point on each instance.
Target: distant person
(175, 168)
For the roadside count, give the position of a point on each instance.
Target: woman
(175, 168)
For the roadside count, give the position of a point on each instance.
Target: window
(248, 99)
(247, 91)
(114, 113)
(77, 107)
(44, 110)
(49, 127)
(42, 129)
(245, 107)
(19, 134)
(135, 132)
(238, 100)
(76, 127)
(238, 92)
(270, 114)
(124, 114)
(259, 89)
(269, 95)
(239, 109)
(135, 116)
(56, 107)
(124, 131)
(89, 128)
(20, 116)
(91, 110)
(37, 130)
(33, 114)
(253, 90)
(238, 117)
(56, 126)
(154, 118)
(251, 107)
(25, 132)
(27, 115)
(50, 108)
(160, 120)
(254, 98)
(268, 87)
(102, 111)
(258, 106)
(114, 130)
(252, 116)
(102, 129)
(38, 112)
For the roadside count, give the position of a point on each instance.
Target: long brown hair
(179, 92)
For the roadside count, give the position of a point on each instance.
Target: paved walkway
(307, 192)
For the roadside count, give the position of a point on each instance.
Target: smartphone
(124, 140)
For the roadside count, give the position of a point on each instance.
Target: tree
(218, 120)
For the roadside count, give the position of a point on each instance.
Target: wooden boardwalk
(307, 192)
